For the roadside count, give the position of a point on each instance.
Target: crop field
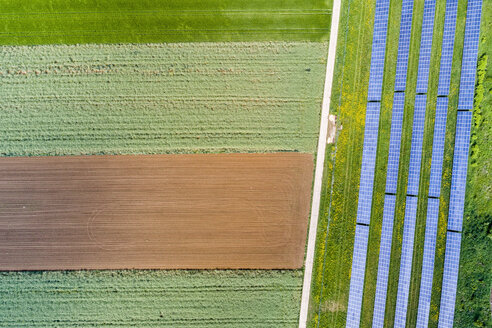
(30, 22)
(331, 277)
(160, 98)
(235, 299)
(238, 211)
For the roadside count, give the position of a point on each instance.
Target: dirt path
(155, 211)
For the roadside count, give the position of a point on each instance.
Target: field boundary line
(320, 161)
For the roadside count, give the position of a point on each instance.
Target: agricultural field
(243, 299)
(157, 77)
(161, 98)
(29, 22)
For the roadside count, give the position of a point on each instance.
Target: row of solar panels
(368, 163)
(458, 177)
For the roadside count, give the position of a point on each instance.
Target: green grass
(331, 276)
(27, 22)
(161, 98)
(475, 275)
(235, 299)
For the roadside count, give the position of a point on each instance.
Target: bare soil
(200, 211)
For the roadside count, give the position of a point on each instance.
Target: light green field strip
(160, 98)
(268, 299)
(28, 22)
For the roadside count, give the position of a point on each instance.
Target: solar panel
(425, 46)
(447, 47)
(357, 276)
(458, 174)
(416, 145)
(378, 50)
(438, 147)
(404, 45)
(406, 262)
(395, 142)
(428, 263)
(449, 279)
(384, 261)
(470, 52)
(368, 163)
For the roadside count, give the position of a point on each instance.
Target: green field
(475, 277)
(264, 299)
(30, 22)
(341, 182)
(161, 98)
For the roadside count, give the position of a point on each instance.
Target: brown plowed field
(154, 211)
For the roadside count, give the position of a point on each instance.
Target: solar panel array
(357, 275)
(416, 145)
(384, 261)
(447, 47)
(470, 52)
(368, 163)
(438, 147)
(404, 45)
(406, 261)
(395, 142)
(460, 166)
(450, 279)
(426, 46)
(428, 263)
(378, 50)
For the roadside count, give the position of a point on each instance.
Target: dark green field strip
(161, 98)
(150, 299)
(349, 97)
(447, 164)
(381, 164)
(27, 22)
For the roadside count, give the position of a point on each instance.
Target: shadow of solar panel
(416, 144)
(428, 263)
(447, 47)
(395, 142)
(426, 46)
(368, 163)
(449, 279)
(458, 174)
(470, 53)
(384, 261)
(406, 262)
(357, 276)
(404, 45)
(438, 147)
(378, 50)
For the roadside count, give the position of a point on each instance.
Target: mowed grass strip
(161, 98)
(243, 299)
(331, 279)
(28, 22)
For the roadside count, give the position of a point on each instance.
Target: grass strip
(349, 98)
